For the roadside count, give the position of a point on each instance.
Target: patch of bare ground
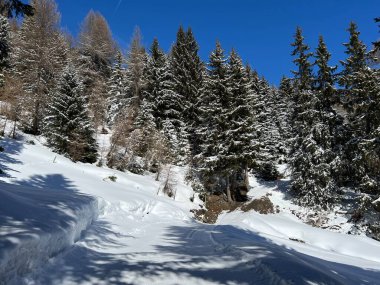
(216, 204)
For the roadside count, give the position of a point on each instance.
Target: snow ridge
(26, 249)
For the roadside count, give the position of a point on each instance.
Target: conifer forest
(215, 125)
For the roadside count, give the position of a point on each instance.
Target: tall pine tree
(68, 127)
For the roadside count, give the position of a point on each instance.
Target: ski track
(140, 237)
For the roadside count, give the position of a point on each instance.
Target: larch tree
(97, 50)
(14, 8)
(39, 54)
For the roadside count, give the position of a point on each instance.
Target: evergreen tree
(14, 8)
(4, 47)
(303, 74)
(215, 90)
(68, 127)
(116, 89)
(266, 131)
(314, 153)
(361, 90)
(284, 109)
(376, 46)
(354, 64)
(236, 133)
(165, 104)
(187, 69)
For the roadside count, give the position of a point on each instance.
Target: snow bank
(37, 224)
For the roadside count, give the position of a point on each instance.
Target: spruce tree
(266, 131)
(68, 128)
(376, 45)
(215, 90)
(303, 74)
(4, 47)
(361, 90)
(116, 89)
(187, 69)
(165, 103)
(284, 109)
(236, 133)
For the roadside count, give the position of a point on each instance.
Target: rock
(263, 205)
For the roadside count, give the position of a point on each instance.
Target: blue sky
(261, 31)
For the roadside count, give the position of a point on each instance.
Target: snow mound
(37, 224)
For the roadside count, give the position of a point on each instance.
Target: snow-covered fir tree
(266, 131)
(303, 74)
(187, 70)
(314, 156)
(284, 109)
(215, 90)
(4, 47)
(68, 128)
(362, 101)
(235, 139)
(362, 89)
(116, 89)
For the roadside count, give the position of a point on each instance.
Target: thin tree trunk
(229, 198)
(5, 125)
(14, 130)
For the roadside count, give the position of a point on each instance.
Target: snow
(68, 223)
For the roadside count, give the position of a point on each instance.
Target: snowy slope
(139, 237)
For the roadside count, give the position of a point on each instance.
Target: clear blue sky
(261, 31)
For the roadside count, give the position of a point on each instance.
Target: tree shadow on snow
(198, 253)
(41, 206)
(281, 185)
(11, 147)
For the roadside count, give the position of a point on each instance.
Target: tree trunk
(229, 198)
(14, 130)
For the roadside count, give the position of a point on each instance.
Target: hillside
(69, 223)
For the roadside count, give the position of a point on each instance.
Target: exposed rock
(263, 205)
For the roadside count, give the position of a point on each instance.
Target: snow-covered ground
(69, 223)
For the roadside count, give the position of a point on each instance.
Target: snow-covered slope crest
(38, 223)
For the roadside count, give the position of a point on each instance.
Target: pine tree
(236, 134)
(303, 75)
(361, 89)
(376, 45)
(4, 47)
(187, 69)
(354, 64)
(214, 90)
(68, 127)
(116, 89)
(284, 109)
(314, 153)
(266, 131)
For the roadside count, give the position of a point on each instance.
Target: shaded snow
(140, 237)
